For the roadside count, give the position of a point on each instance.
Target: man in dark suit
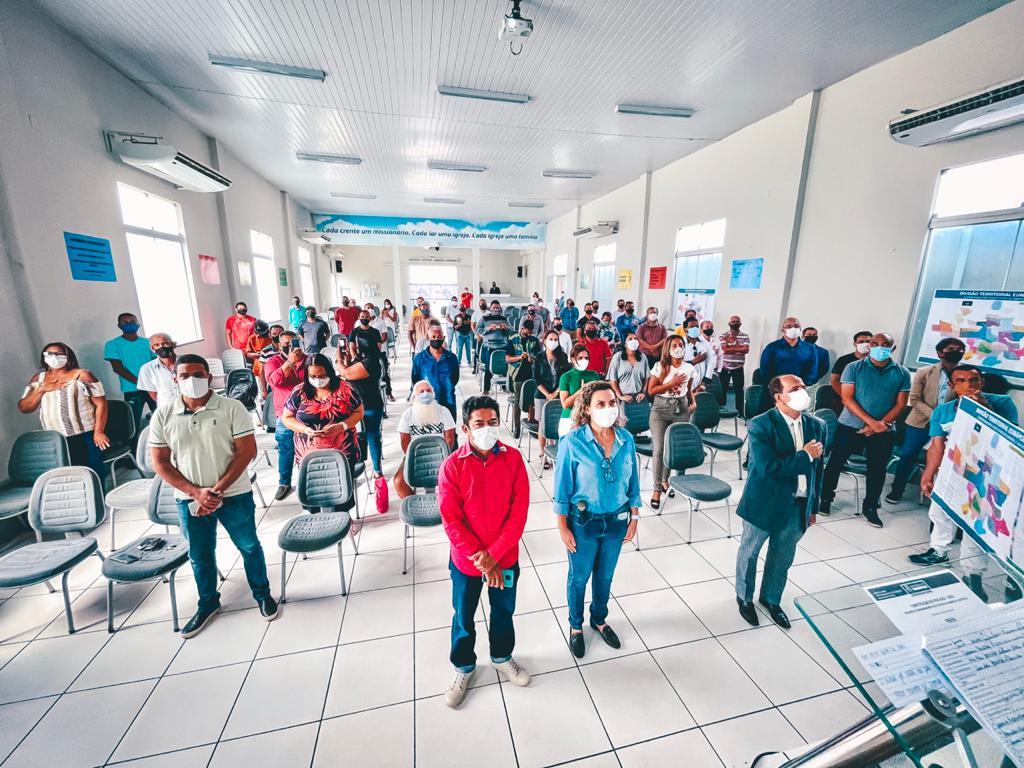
(781, 496)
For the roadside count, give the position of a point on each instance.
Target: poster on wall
(282, 276)
(990, 323)
(658, 278)
(625, 281)
(209, 269)
(244, 273)
(700, 299)
(745, 274)
(90, 258)
(400, 230)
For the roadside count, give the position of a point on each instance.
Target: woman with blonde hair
(671, 386)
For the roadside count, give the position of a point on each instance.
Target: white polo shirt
(154, 376)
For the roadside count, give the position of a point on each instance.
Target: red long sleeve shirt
(484, 504)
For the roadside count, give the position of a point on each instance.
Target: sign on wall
(700, 299)
(90, 258)
(399, 230)
(209, 270)
(658, 278)
(282, 276)
(745, 274)
(625, 281)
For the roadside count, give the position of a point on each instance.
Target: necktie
(801, 481)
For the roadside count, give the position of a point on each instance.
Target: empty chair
(150, 557)
(831, 422)
(335, 338)
(724, 411)
(684, 450)
(826, 397)
(143, 457)
(638, 421)
(32, 454)
(531, 428)
(392, 349)
(218, 373)
(325, 482)
(233, 360)
(267, 414)
(525, 396)
(706, 419)
(422, 465)
(121, 431)
(65, 501)
(753, 401)
(551, 417)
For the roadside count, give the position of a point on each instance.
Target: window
(265, 271)
(306, 276)
(159, 258)
(437, 283)
(559, 267)
(603, 284)
(698, 267)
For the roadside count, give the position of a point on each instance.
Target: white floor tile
(662, 618)
(48, 667)
(197, 757)
(133, 653)
(229, 638)
(739, 741)
(434, 671)
(371, 674)
(358, 738)
(544, 547)
(824, 716)
(668, 750)
(714, 602)
(605, 760)
(861, 568)
(634, 573)
(454, 737)
(22, 618)
(778, 665)
(540, 644)
(817, 577)
(17, 719)
(278, 749)
(378, 570)
(315, 577)
(303, 625)
(681, 564)
(380, 613)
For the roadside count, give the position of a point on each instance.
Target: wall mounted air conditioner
(986, 110)
(149, 154)
(314, 236)
(601, 229)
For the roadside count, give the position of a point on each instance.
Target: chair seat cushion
(551, 450)
(116, 451)
(420, 511)
(358, 469)
(130, 495)
(645, 449)
(531, 426)
(726, 412)
(311, 533)
(721, 441)
(44, 560)
(172, 555)
(701, 487)
(14, 500)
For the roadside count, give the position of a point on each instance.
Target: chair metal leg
(728, 519)
(341, 569)
(112, 545)
(221, 576)
(689, 538)
(110, 606)
(355, 540)
(50, 586)
(405, 551)
(113, 475)
(174, 600)
(713, 455)
(284, 567)
(739, 460)
(67, 602)
(263, 502)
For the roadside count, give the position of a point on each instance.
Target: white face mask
(862, 348)
(677, 353)
(484, 438)
(194, 387)
(799, 400)
(581, 365)
(320, 383)
(652, 317)
(605, 417)
(55, 361)
(551, 344)
(793, 333)
(632, 345)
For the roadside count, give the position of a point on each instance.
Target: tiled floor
(357, 680)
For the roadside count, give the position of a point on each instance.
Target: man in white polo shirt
(157, 376)
(202, 444)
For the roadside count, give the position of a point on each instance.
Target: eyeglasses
(609, 476)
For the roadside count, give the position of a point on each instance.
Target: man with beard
(423, 417)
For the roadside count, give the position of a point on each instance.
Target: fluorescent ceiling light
(354, 195)
(316, 158)
(441, 165)
(474, 93)
(655, 111)
(268, 68)
(444, 200)
(524, 204)
(554, 173)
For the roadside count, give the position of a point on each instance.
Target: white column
(396, 266)
(475, 285)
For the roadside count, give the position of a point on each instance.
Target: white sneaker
(457, 690)
(513, 672)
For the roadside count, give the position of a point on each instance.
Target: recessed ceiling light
(441, 165)
(654, 111)
(268, 68)
(554, 173)
(317, 158)
(444, 200)
(474, 93)
(524, 204)
(354, 195)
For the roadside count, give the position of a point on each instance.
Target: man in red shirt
(346, 316)
(239, 327)
(466, 298)
(600, 352)
(483, 492)
(284, 372)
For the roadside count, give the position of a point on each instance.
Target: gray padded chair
(143, 459)
(422, 465)
(121, 431)
(549, 423)
(724, 411)
(68, 501)
(233, 359)
(31, 455)
(638, 421)
(325, 482)
(684, 450)
(162, 510)
(706, 418)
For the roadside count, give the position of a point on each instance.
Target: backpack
(241, 386)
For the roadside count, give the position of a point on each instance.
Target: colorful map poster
(990, 323)
(700, 299)
(981, 480)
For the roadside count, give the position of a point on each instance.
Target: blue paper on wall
(90, 258)
(746, 274)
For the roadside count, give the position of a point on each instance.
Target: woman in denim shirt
(597, 503)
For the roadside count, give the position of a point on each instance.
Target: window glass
(306, 275)
(265, 273)
(560, 264)
(701, 237)
(994, 185)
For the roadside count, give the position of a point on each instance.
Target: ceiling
(733, 61)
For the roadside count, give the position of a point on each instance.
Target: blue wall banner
(90, 258)
(400, 230)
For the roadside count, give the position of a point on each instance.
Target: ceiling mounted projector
(514, 27)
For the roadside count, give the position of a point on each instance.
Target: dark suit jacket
(775, 463)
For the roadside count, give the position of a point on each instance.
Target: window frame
(255, 257)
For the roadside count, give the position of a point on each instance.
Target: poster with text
(990, 323)
(700, 299)
(399, 230)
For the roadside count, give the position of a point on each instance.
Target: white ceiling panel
(733, 61)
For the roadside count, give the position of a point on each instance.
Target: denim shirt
(581, 475)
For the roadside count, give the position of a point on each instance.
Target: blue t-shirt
(295, 316)
(131, 354)
(875, 388)
(943, 415)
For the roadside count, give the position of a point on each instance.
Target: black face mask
(629, 310)
(734, 326)
(953, 356)
(164, 352)
(364, 321)
(242, 312)
(557, 327)
(708, 332)
(811, 339)
(310, 316)
(592, 334)
(621, 307)
(275, 339)
(436, 343)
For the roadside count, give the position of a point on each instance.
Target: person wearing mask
(531, 315)
(597, 506)
(651, 334)
(966, 381)
(156, 378)
(861, 346)
(364, 340)
(735, 346)
(521, 353)
(71, 401)
(586, 317)
(670, 386)
(463, 336)
(361, 369)
(560, 302)
(382, 327)
(296, 314)
(416, 307)
(620, 310)
(238, 327)
(258, 341)
(628, 371)
(202, 445)
(466, 298)
(789, 355)
(543, 314)
(606, 330)
(810, 335)
(390, 316)
(697, 352)
(314, 332)
(707, 329)
(495, 337)
(597, 348)
(627, 322)
(780, 497)
(449, 313)
(346, 316)
(476, 321)
(929, 388)
(420, 324)
(494, 288)
(596, 306)
(127, 354)
(564, 339)
(547, 372)
(690, 314)
(875, 392)
(284, 372)
(424, 343)
(438, 366)
(423, 417)
(483, 491)
(571, 382)
(570, 316)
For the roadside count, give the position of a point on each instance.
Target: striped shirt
(733, 360)
(68, 410)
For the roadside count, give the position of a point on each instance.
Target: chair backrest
(216, 366)
(325, 479)
(683, 447)
(162, 508)
(335, 338)
(120, 422)
(825, 397)
(550, 418)
(752, 405)
(233, 359)
(66, 500)
(706, 415)
(142, 454)
(269, 418)
(527, 393)
(33, 453)
(831, 421)
(715, 388)
(637, 415)
(497, 364)
(423, 460)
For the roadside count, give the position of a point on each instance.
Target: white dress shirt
(796, 429)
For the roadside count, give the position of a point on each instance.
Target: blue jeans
(371, 422)
(914, 439)
(137, 401)
(285, 452)
(462, 344)
(238, 516)
(598, 544)
(449, 332)
(500, 631)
